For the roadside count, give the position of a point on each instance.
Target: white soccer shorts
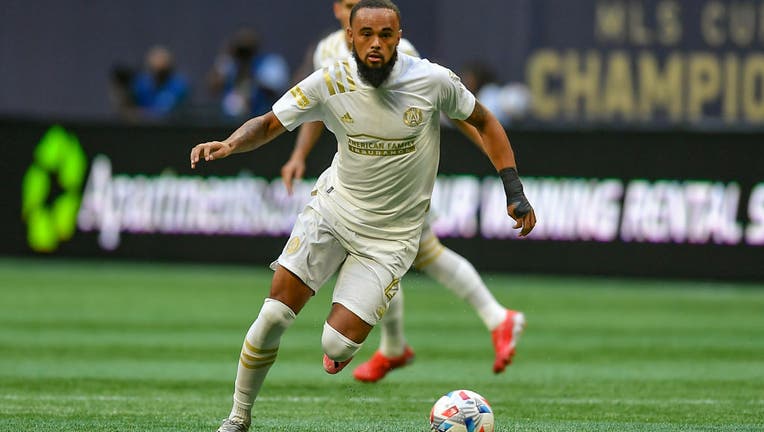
(369, 269)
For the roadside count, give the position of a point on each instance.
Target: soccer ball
(461, 411)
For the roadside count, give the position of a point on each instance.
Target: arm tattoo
(252, 129)
(478, 116)
(248, 132)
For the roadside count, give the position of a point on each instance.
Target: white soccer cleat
(233, 425)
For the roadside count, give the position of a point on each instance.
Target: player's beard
(375, 76)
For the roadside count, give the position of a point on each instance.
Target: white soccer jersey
(335, 46)
(388, 139)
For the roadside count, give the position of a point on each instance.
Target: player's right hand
(524, 216)
(209, 151)
(293, 169)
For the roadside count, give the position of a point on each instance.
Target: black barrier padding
(625, 155)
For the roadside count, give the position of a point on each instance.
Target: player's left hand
(524, 217)
(293, 169)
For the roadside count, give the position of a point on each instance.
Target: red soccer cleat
(505, 338)
(332, 367)
(378, 365)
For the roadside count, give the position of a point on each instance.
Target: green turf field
(87, 346)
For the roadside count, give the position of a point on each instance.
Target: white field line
(320, 399)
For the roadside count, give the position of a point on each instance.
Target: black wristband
(514, 190)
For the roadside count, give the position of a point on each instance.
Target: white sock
(392, 342)
(258, 354)
(461, 278)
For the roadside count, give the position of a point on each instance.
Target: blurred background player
(434, 259)
(121, 78)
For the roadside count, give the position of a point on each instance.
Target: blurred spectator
(246, 80)
(120, 90)
(507, 102)
(159, 90)
(476, 75)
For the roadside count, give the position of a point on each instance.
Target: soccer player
(434, 259)
(366, 216)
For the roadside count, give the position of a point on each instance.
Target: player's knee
(272, 321)
(336, 346)
(275, 314)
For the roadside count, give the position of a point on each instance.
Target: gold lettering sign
(664, 61)
(645, 86)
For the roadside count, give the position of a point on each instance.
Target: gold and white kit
(369, 205)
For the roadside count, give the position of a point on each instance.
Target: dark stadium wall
(55, 56)
(649, 64)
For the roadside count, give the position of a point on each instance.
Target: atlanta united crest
(413, 117)
(292, 246)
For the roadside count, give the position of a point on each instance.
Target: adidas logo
(346, 118)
